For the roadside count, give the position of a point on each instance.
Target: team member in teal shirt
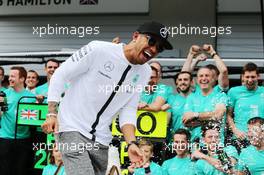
(245, 102)
(50, 66)
(168, 89)
(251, 158)
(210, 163)
(15, 156)
(219, 72)
(150, 167)
(204, 105)
(177, 101)
(155, 95)
(181, 163)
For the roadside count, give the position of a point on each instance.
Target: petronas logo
(135, 79)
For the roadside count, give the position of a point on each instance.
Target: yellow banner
(149, 124)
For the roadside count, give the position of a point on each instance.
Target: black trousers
(16, 156)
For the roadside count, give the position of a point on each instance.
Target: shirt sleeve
(231, 98)
(163, 92)
(79, 63)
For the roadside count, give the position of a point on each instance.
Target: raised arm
(223, 80)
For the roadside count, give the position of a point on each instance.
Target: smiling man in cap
(87, 110)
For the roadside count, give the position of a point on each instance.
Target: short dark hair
(3, 70)
(22, 71)
(52, 60)
(211, 124)
(256, 120)
(35, 72)
(183, 72)
(185, 132)
(250, 67)
(213, 67)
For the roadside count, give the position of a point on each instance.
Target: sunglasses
(152, 41)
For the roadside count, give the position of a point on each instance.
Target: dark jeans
(16, 156)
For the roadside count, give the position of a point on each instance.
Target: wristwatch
(213, 54)
(132, 142)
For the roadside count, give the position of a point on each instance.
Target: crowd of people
(212, 128)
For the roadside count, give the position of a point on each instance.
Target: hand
(50, 125)
(136, 156)
(131, 168)
(165, 107)
(197, 155)
(208, 49)
(201, 57)
(195, 49)
(142, 105)
(188, 116)
(40, 98)
(239, 134)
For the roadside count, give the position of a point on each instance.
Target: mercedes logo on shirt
(109, 66)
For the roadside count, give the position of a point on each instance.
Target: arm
(51, 123)
(127, 122)
(230, 120)
(79, 63)
(156, 106)
(217, 114)
(188, 66)
(223, 76)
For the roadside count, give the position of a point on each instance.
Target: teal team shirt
(51, 169)
(178, 166)
(154, 169)
(217, 88)
(8, 120)
(42, 90)
(246, 104)
(252, 159)
(176, 102)
(197, 102)
(204, 168)
(162, 90)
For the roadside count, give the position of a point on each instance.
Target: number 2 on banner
(41, 162)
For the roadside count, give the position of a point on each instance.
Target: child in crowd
(149, 167)
(55, 166)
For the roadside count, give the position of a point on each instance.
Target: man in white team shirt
(106, 79)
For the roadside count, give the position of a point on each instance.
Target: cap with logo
(157, 29)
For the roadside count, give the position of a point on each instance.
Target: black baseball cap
(156, 29)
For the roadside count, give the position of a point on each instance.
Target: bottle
(224, 159)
